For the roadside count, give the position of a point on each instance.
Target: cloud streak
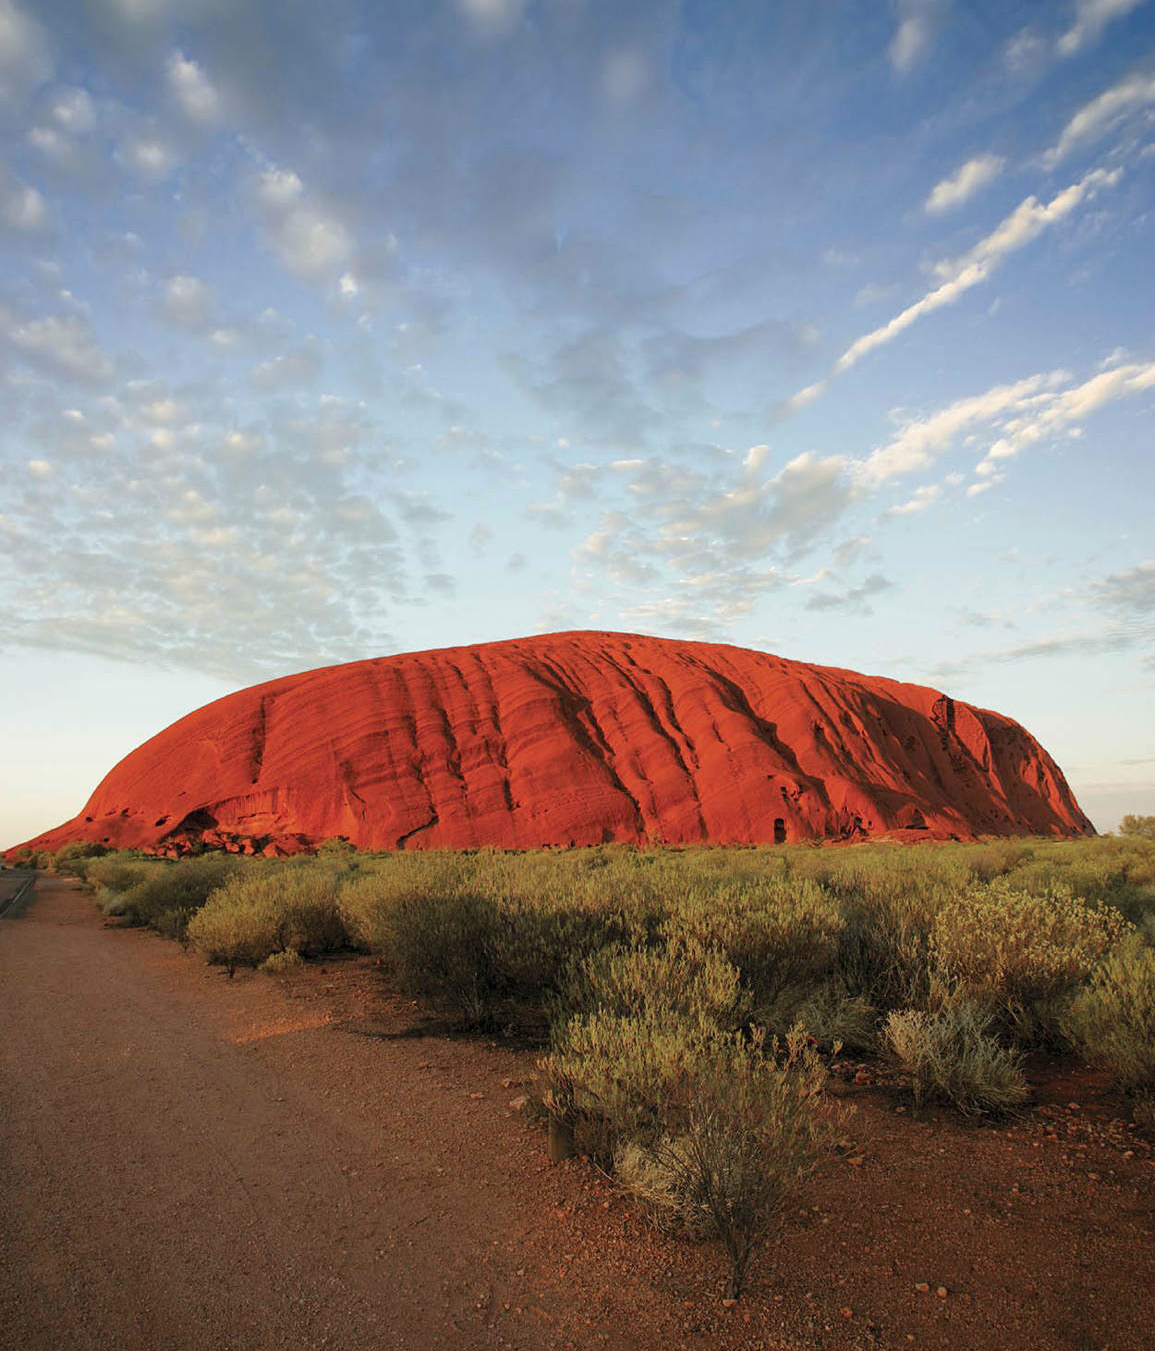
(966, 182)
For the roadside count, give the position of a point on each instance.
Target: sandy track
(192, 1163)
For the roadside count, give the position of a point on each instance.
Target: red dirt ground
(193, 1163)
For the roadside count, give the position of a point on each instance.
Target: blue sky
(328, 331)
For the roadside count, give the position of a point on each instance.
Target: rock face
(576, 739)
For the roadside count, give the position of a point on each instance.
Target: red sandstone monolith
(576, 739)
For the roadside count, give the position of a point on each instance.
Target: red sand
(576, 739)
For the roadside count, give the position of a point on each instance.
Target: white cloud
(291, 369)
(1025, 50)
(74, 111)
(278, 189)
(1028, 220)
(22, 208)
(1061, 413)
(187, 300)
(1091, 17)
(856, 600)
(310, 239)
(313, 243)
(193, 91)
(1102, 114)
(493, 15)
(148, 156)
(805, 396)
(922, 441)
(1130, 593)
(24, 59)
(1004, 420)
(964, 183)
(63, 345)
(914, 35)
(924, 497)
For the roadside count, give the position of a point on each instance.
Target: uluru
(576, 739)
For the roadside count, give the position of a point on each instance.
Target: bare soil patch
(190, 1162)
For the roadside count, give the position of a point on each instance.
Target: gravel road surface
(188, 1162)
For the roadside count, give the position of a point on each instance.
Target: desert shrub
(73, 858)
(1021, 953)
(441, 947)
(120, 871)
(743, 1130)
(614, 1078)
(367, 900)
(336, 847)
(534, 946)
(478, 934)
(952, 1055)
(235, 933)
(994, 858)
(883, 955)
(1112, 1019)
(174, 924)
(778, 933)
(830, 1014)
(32, 858)
(268, 909)
(682, 979)
(180, 886)
(1141, 826)
(281, 963)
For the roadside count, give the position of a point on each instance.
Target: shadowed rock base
(576, 739)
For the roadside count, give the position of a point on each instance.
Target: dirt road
(190, 1163)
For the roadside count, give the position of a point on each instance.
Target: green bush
(267, 909)
(175, 889)
(73, 858)
(682, 980)
(779, 933)
(743, 1130)
(1141, 826)
(952, 1056)
(441, 947)
(830, 1014)
(366, 903)
(1112, 1019)
(281, 963)
(121, 870)
(1021, 953)
(614, 1078)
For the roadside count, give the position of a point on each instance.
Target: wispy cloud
(1028, 220)
(914, 36)
(1090, 18)
(966, 182)
(1103, 114)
